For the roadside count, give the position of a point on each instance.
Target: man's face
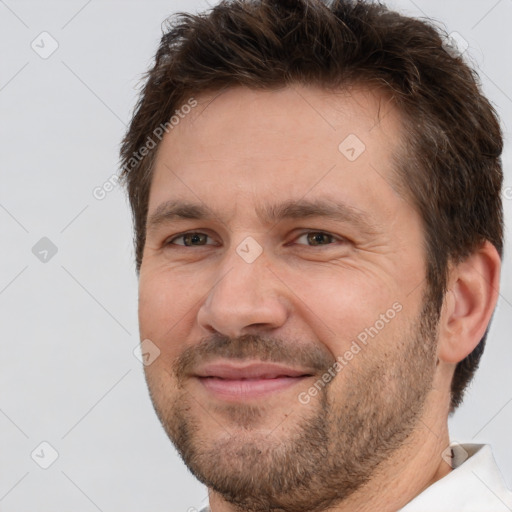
(285, 292)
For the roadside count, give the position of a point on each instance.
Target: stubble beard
(323, 451)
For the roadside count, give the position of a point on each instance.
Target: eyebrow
(271, 214)
(175, 210)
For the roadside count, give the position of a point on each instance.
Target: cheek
(342, 303)
(166, 309)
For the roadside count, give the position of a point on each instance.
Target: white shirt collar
(474, 485)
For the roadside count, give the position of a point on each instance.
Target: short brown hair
(449, 163)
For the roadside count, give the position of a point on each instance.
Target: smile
(229, 381)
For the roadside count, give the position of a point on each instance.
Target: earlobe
(473, 287)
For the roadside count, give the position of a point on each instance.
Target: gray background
(68, 375)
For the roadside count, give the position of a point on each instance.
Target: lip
(232, 382)
(249, 370)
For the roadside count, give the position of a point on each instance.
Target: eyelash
(305, 233)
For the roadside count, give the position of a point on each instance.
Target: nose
(246, 298)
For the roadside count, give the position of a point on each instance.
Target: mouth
(235, 382)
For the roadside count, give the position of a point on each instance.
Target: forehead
(243, 145)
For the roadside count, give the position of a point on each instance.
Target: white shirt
(475, 484)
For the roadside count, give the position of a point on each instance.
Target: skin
(237, 152)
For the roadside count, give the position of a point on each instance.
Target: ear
(469, 302)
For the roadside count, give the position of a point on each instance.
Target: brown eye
(314, 238)
(190, 239)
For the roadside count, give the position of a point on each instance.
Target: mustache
(313, 358)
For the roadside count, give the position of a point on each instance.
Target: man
(318, 234)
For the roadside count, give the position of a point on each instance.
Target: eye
(316, 238)
(192, 239)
